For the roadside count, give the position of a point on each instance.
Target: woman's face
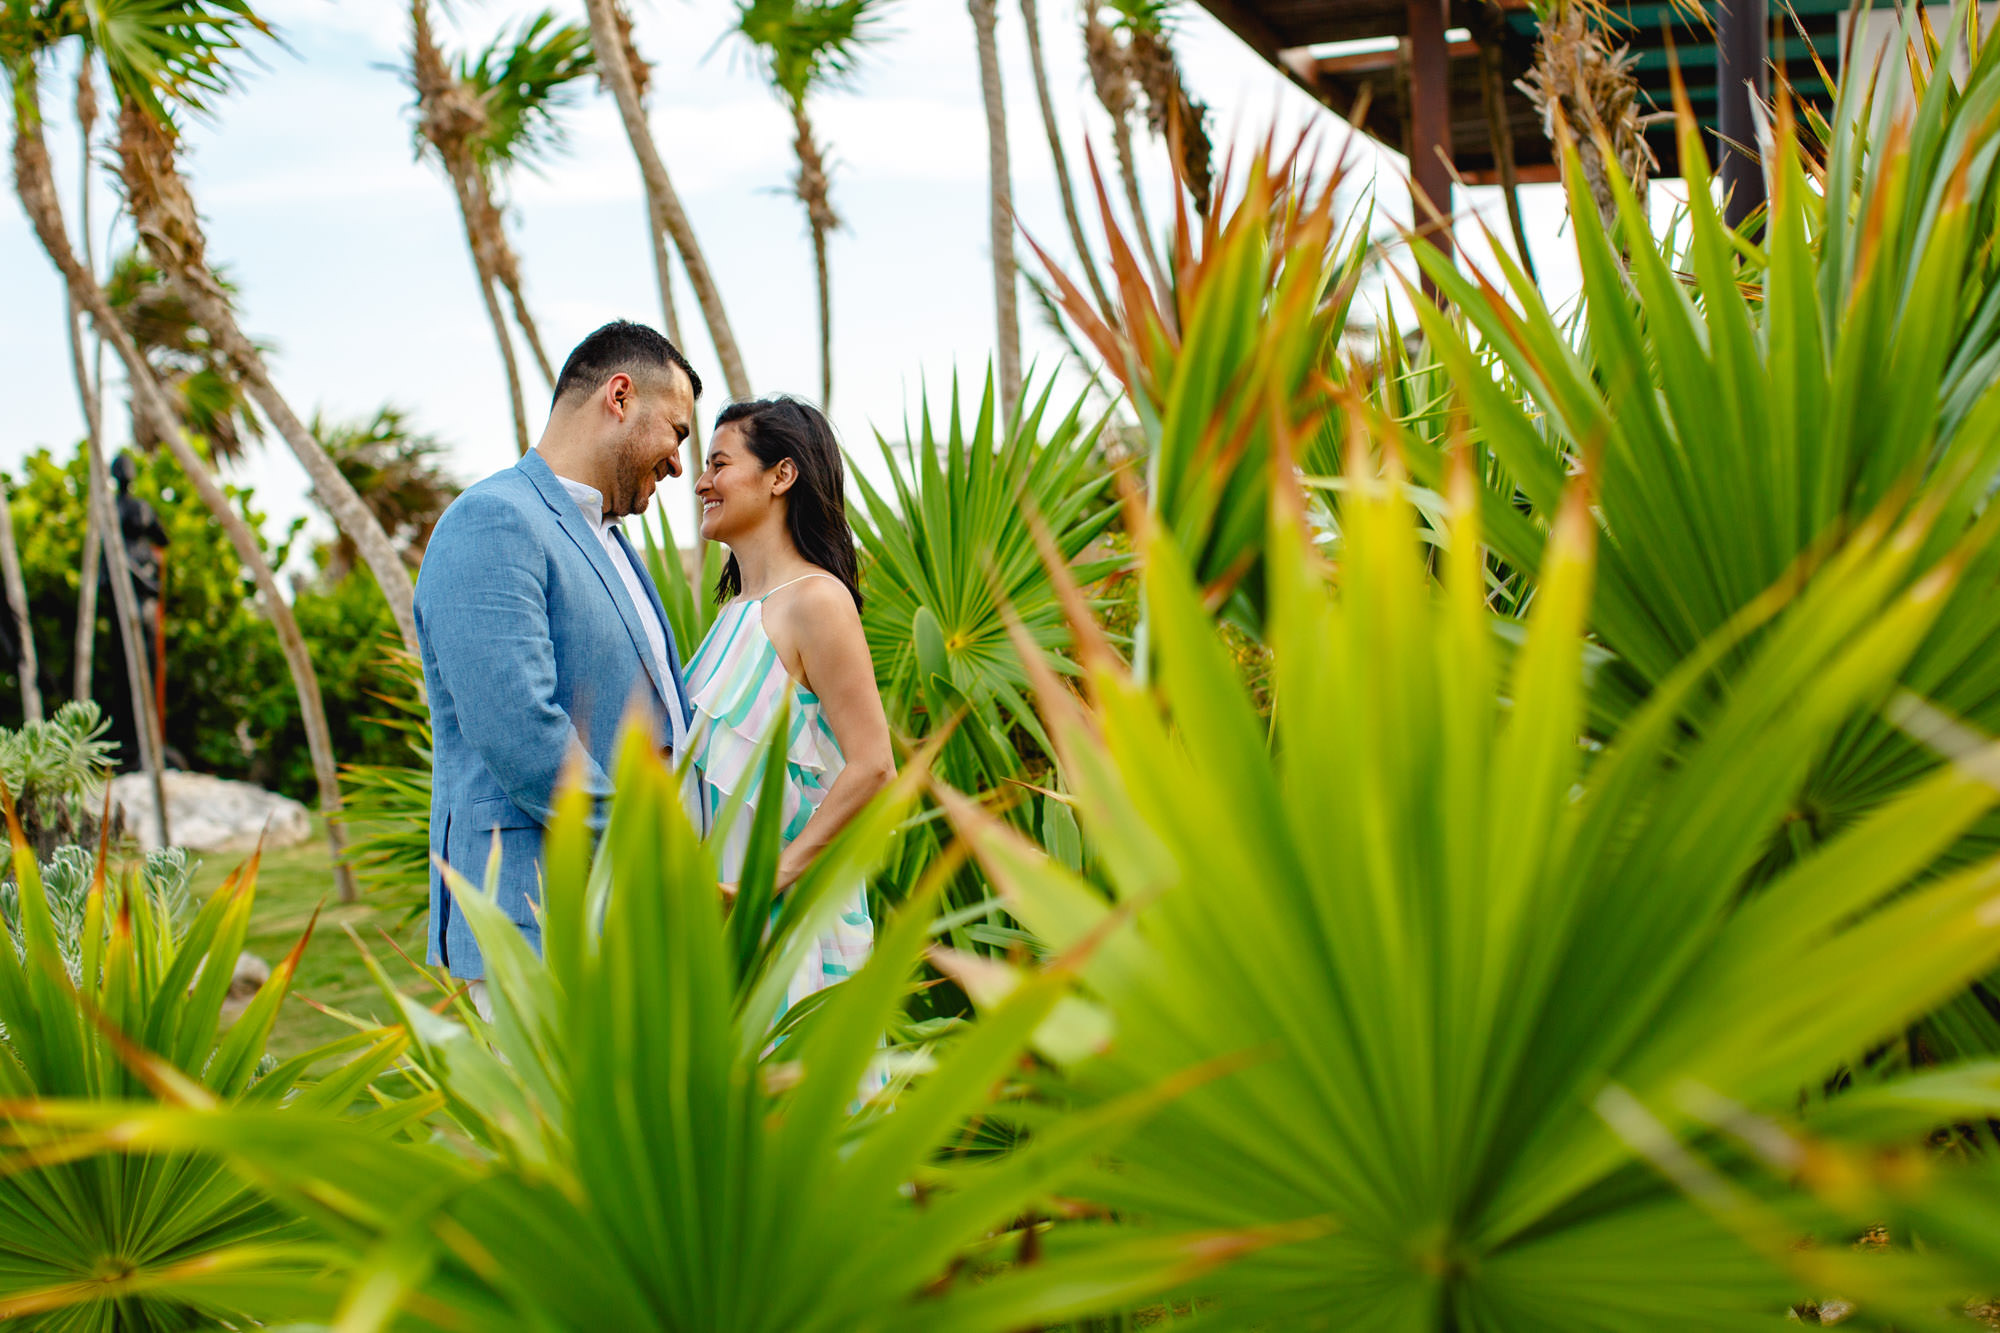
(736, 489)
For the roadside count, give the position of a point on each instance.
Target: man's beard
(628, 483)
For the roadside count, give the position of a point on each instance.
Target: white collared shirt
(591, 501)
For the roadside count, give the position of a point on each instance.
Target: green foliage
(1746, 405)
(115, 996)
(185, 360)
(231, 707)
(387, 807)
(67, 877)
(1235, 359)
(164, 57)
(1436, 937)
(522, 83)
(804, 45)
(399, 474)
(626, 1147)
(55, 769)
(952, 552)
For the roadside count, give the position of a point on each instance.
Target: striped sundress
(737, 686)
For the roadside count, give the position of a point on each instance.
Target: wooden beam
(1376, 62)
(1527, 173)
(1430, 123)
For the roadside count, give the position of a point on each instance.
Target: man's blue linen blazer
(532, 648)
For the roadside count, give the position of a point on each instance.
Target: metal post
(1742, 30)
(1430, 122)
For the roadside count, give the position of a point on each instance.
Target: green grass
(292, 882)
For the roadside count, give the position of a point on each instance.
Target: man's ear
(783, 473)
(619, 395)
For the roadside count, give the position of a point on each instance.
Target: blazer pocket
(499, 812)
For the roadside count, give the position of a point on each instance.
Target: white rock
(206, 814)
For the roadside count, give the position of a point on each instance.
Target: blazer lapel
(572, 521)
(666, 625)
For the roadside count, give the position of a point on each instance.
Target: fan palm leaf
(1436, 928)
(634, 1151)
(1743, 415)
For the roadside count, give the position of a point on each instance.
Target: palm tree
(164, 215)
(1001, 230)
(622, 70)
(148, 63)
(495, 109)
(1584, 85)
(93, 397)
(1032, 23)
(803, 46)
(1171, 114)
(17, 610)
(522, 84)
(186, 363)
(1132, 62)
(1112, 78)
(397, 470)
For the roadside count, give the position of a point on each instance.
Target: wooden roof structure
(1421, 86)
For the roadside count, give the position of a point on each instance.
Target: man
(539, 625)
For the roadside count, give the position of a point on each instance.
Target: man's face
(659, 413)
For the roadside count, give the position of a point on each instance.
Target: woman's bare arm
(817, 633)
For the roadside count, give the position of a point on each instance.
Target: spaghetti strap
(811, 574)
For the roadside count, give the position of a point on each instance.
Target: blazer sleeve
(483, 611)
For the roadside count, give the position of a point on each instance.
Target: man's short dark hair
(620, 346)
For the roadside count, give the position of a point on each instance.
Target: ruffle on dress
(735, 706)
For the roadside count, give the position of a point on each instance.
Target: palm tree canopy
(807, 44)
(522, 83)
(206, 391)
(397, 472)
(161, 55)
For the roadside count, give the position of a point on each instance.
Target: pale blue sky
(349, 256)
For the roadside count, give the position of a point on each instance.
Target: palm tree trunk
(17, 602)
(38, 197)
(1128, 171)
(608, 44)
(514, 400)
(533, 335)
(1585, 86)
(124, 601)
(164, 215)
(825, 319)
(670, 315)
(444, 118)
(86, 601)
(86, 590)
(1070, 214)
(1001, 221)
(812, 191)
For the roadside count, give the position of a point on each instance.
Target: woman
(788, 637)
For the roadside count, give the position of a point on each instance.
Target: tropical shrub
(1741, 402)
(387, 806)
(112, 996)
(57, 768)
(625, 1146)
(1241, 353)
(1448, 944)
(68, 877)
(231, 709)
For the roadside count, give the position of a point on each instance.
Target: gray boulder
(207, 814)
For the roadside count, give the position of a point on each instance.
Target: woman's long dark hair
(781, 427)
